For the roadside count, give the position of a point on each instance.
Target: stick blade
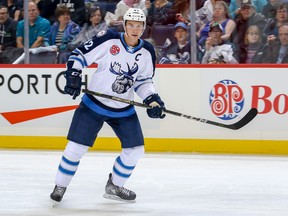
(245, 120)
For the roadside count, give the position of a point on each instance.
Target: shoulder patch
(101, 33)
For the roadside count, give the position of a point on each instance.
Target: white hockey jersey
(121, 71)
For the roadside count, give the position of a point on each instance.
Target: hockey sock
(69, 163)
(125, 164)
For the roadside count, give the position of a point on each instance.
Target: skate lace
(59, 190)
(125, 191)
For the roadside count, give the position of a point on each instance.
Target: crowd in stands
(227, 31)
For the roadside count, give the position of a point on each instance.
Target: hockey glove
(157, 105)
(73, 82)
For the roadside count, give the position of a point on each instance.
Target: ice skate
(118, 193)
(57, 194)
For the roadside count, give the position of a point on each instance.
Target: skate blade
(114, 197)
(54, 203)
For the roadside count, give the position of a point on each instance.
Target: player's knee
(130, 156)
(75, 151)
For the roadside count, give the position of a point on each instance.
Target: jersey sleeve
(91, 51)
(144, 82)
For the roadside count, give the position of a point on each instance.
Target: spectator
(205, 14)
(248, 16)
(39, 28)
(14, 8)
(95, 23)
(235, 6)
(178, 52)
(182, 9)
(217, 50)
(63, 31)
(116, 19)
(77, 9)
(160, 12)
(259, 4)
(281, 17)
(269, 10)
(252, 49)
(7, 29)
(221, 16)
(277, 50)
(8, 50)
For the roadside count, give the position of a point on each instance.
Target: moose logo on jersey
(114, 50)
(124, 79)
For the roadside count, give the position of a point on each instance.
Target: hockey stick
(242, 122)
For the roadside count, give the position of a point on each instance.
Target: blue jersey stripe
(75, 58)
(96, 108)
(80, 53)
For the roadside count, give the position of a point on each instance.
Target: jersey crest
(124, 80)
(114, 50)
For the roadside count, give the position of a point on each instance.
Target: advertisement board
(33, 104)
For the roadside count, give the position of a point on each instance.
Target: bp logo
(226, 99)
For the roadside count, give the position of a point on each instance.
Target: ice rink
(165, 184)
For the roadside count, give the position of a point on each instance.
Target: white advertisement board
(33, 103)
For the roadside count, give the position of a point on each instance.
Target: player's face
(134, 30)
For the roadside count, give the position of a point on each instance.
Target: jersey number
(88, 44)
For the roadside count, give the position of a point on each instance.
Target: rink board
(272, 147)
(35, 114)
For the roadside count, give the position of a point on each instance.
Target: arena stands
(207, 12)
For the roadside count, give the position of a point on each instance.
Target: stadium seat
(146, 33)
(159, 33)
(43, 58)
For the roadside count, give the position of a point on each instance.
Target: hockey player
(126, 64)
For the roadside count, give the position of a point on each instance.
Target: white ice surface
(166, 184)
